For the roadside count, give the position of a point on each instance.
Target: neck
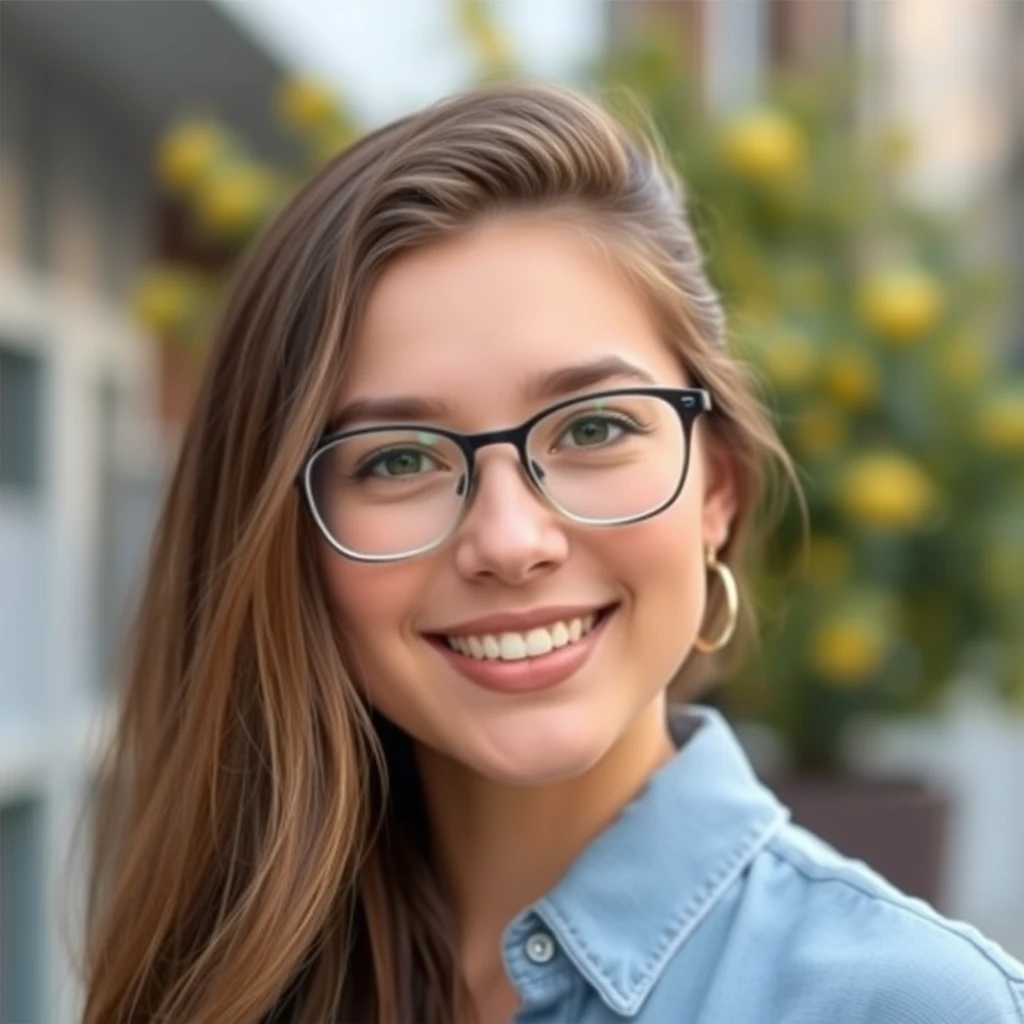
(500, 847)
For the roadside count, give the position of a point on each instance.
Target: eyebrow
(399, 409)
(546, 386)
(566, 381)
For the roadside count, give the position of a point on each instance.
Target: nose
(508, 534)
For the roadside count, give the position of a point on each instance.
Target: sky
(389, 56)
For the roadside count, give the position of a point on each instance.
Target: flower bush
(876, 342)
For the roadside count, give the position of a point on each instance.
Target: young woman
(466, 487)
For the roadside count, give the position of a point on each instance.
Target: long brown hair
(262, 848)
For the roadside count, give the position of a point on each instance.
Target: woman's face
(471, 325)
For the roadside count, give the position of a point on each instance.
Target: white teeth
(513, 647)
(538, 641)
(559, 635)
(517, 646)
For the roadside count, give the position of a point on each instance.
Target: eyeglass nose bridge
(517, 437)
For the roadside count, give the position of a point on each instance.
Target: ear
(721, 493)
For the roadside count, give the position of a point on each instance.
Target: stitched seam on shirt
(814, 873)
(694, 912)
(540, 985)
(1017, 991)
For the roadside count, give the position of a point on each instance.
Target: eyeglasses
(385, 493)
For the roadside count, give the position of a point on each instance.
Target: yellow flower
(187, 153)
(820, 431)
(1000, 424)
(789, 359)
(851, 378)
(306, 103)
(886, 489)
(477, 25)
(235, 198)
(900, 304)
(331, 142)
(163, 298)
(764, 145)
(828, 560)
(847, 648)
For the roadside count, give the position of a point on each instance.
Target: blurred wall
(74, 376)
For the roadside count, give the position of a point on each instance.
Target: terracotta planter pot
(899, 827)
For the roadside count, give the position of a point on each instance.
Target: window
(21, 421)
(22, 911)
(131, 487)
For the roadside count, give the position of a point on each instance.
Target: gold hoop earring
(732, 603)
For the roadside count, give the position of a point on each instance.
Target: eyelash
(627, 423)
(366, 466)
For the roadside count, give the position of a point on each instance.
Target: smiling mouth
(512, 646)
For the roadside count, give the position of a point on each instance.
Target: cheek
(373, 605)
(661, 563)
(664, 550)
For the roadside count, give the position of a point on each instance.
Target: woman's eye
(400, 462)
(592, 431)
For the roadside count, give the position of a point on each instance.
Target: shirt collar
(635, 895)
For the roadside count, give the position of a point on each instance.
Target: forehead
(471, 320)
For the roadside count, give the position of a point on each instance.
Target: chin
(539, 748)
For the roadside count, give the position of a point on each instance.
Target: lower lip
(529, 674)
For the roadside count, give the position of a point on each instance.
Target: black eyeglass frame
(688, 403)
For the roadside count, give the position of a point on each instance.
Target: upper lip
(518, 622)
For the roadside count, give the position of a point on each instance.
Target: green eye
(397, 462)
(592, 431)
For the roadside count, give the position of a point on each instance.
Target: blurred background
(856, 173)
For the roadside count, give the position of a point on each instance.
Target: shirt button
(540, 948)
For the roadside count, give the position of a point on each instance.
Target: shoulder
(868, 952)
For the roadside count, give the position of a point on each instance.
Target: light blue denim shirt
(702, 904)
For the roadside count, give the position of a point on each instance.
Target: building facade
(85, 89)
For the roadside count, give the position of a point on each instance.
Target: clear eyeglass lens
(610, 459)
(387, 493)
